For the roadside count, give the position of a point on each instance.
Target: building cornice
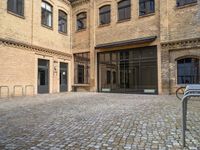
(181, 44)
(127, 42)
(79, 2)
(35, 49)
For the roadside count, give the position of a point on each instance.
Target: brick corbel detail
(35, 49)
(79, 2)
(181, 44)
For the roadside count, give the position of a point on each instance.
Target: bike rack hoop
(26, 86)
(190, 91)
(6, 88)
(14, 89)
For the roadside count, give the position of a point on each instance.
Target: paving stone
(97, 121)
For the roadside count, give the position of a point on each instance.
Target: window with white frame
(47, 14)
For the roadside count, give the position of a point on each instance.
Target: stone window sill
(147, 15)
(80, 30)
(187, 5)
(104, 25)
(81, 85)
(17, 15)
(125, 20)
(50, 28)
(63, 33)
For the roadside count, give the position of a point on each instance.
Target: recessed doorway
(63, 77)
(43, 76)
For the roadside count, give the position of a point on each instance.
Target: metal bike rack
(29, 86)
(190, 91)
(6, 88)
(14, 89)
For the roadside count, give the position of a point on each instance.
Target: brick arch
(187, 56)
(49, 1)
(63, 9)
(175, 55)
(104, 3)
(80, 11)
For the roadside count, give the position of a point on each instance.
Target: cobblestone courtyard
(96, 121)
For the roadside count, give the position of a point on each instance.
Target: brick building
(129, 46)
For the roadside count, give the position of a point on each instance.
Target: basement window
(184, 2)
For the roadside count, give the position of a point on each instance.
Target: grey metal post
(183, 121)
(191, 91)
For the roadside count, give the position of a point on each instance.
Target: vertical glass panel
(128, 71)
(108, 77)
(82, 68)
(107, 57)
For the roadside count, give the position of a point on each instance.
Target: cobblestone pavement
(96, 121)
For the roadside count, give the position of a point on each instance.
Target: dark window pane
(104, 15)
(62, 22)
(146, 7)
(114, 77)
(124, 10)
(82, 68)
(46, 16)
(16, 6)
(42, 77)
(108, 77)
(188, 71)
(81, 20)
(80, 74)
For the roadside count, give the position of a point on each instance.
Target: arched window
(124, 10)
(81, 20)
(46, 16)
(16, 6)
(146, 7)
(62, 21)
(188, 71)
(104, 15)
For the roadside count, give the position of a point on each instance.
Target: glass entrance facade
(128, 71)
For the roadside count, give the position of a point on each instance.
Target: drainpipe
(32, 24)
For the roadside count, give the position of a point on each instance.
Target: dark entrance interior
(63, 77)
(128, 71)
(43, 76)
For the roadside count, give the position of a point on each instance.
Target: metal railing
(190, 91)
(7, 90)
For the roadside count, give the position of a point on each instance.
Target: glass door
(43, 76)
(63, 77)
